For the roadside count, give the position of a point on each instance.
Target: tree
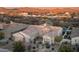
(1, 35)
(19, 47)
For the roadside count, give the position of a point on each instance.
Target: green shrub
(18, 47)
(1, 35)
(65, 48)
(58, 38)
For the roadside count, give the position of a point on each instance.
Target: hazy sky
(39, 3)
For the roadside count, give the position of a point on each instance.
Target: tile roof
(42, 30)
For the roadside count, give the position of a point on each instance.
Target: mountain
(37, 10)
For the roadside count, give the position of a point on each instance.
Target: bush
(19, 47)
(1, 35)
(58, 38)
(65, 48)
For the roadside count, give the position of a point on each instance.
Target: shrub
(58, 38)
(65, 48)
(1, 35)
(19, 47)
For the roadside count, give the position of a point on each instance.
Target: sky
(39, 3)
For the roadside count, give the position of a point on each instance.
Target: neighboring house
(75, 41)
(49, 37)
(11, 28)
(75, 36)
(23, 14)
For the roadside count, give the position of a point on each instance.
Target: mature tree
(19, 47)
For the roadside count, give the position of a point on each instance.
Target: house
(23, 14)
(1, 26)
(47, 32)
(28, 34)
(75, 36)
(10, 29)
(50, 36)
(18, 37)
